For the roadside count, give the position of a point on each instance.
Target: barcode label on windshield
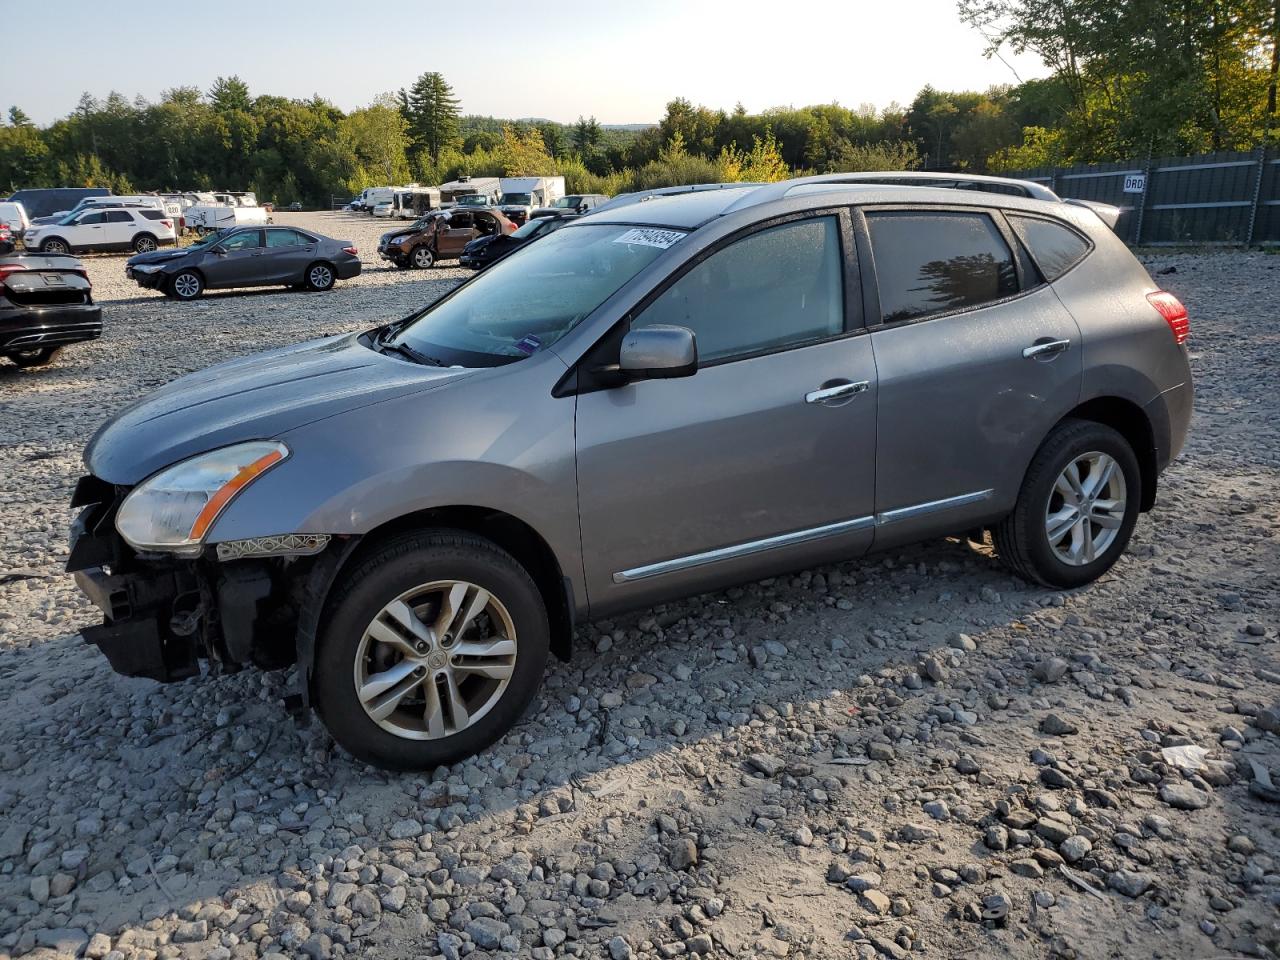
(651, 238)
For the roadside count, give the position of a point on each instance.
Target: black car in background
(46, 302)
(247, 257)
(485, 251)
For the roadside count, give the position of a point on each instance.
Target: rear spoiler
(1107, 213)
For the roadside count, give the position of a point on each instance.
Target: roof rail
(913, 178)
(639, 196)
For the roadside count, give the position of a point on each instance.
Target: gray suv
(677, 394)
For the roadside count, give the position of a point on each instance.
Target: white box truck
(520, 195)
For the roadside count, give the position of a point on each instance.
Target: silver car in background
(669, 396)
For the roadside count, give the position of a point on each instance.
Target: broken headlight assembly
(173, 510)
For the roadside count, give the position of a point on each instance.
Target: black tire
(422, 258)
(39, 357)
(145, 243)
(403, 264)
(320, 276)
(1022, 540)
(377, 579)
(185, 285)
(55, 245)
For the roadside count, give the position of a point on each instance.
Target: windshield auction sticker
(652, 238)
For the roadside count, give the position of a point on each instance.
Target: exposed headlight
(145, 267)
(400, 239)
(174, 509)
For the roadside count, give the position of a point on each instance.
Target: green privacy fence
(1227, 197)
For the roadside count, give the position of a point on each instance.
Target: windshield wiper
(407, 351)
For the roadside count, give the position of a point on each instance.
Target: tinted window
(98, 216)
(242, 241)
(153, 214)
(776, 288)
(933, 262)
(1055, 247)
(286, 238)
(119, 216)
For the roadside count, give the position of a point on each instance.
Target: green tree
(433, 114)
(229, 93)
(18, 118)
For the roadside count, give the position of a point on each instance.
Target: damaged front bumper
(236, 604)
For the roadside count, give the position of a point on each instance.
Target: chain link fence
(1227, 197)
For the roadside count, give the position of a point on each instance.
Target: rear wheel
(186, 285)
(144, 243)
(55, 245)
(434, 646)
(1077, 508)
(320, 276)
(422, 258)
(39, 357)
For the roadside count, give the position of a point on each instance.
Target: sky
(554, 59)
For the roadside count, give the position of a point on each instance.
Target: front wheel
(186, 285)
(422, 258)
(1077, 507)
(434, 646)
(319, 276)
(54, 245)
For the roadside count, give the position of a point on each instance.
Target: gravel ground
(910, 755)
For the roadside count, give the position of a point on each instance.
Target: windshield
(473, 200)
(565, 203)
(529, 300)
(516, 198)
(529, 229)
(213, 237)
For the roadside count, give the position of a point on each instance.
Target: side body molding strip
(798, 536)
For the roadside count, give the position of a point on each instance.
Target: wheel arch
(144, 233)
(1131, 422)
(512, 534)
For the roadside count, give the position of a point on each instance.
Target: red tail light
(10, 268)
(167, 224)
(351, 250)
(1174, 313)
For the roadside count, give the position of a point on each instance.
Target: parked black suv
(46, 302)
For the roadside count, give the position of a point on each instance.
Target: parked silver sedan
(670, 396)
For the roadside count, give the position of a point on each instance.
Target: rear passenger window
(1055, 247)
(930, 263)
(119, 216)
(777, 288)
(286, 238)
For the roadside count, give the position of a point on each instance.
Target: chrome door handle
(843, 391)
(1048, 348)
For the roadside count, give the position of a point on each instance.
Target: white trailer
(475, 189)
(206, 217)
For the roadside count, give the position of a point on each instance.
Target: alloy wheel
(144, 245)
(1086, 508)
(435, 660)
(321, 277)
(186, 285)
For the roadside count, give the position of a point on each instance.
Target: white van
(14, 216)
(372, 196)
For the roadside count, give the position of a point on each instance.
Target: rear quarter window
(153, 214)
(931, 262)
(1055, 247)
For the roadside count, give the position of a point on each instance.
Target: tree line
(1127, 77)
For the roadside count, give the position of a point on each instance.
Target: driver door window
(775, 289)
(248, 240)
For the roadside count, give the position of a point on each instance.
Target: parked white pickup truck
(206, 217)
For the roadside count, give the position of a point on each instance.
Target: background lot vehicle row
(655, 728)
